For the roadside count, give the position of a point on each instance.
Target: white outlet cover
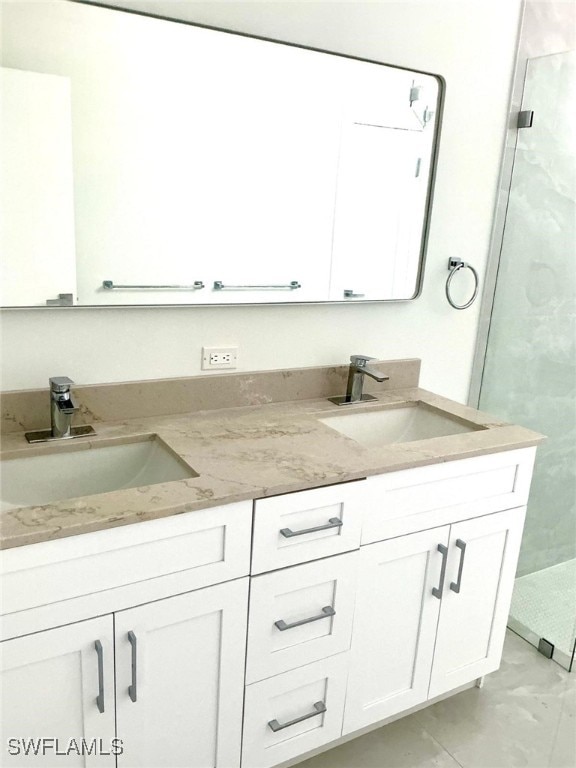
(208, 354)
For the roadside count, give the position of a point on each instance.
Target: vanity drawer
(300, 615)
(425, 497)
(213, 545)
(306, 525)
(290, 714)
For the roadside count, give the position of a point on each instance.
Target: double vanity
(235, 571)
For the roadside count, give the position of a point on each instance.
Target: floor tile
(403, 744)
(512, 721)
(564, 750)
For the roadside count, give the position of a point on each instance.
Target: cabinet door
(479, 580)
(180, 679)
(58, 697)
(394, 626)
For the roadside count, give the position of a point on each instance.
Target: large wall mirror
(148, 161)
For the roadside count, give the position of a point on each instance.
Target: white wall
(471, 43)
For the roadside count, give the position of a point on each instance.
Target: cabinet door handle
(132, 689)
(319, 708)
(334, 522)
(100, 697)
(326, 612)
(437, 591)
(291, 286)
(455, 587)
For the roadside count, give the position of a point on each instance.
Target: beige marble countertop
(246, 453)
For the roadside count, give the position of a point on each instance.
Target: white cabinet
(290, 714)
(431, 614)
(433, 582)
(196, 549)
(166, 659)
(366, 599)
(58, 695)
(394, 626)
(179, 684)
(299, 615)
(482, 558)
(420, 498)
(306, 525)
(180, 678)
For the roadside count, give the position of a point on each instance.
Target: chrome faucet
(358, 369)
(62, 408)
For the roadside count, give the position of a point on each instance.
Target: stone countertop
(247, 453)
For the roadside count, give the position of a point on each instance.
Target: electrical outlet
(219, 357)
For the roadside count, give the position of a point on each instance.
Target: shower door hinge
(525, 118)
(546, 648)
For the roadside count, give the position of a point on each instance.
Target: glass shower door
(530, 367)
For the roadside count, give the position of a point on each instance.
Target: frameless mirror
(148, 161)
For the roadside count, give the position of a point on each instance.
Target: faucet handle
(60, 384)
(360, 360)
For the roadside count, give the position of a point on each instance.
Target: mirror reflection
(153, 162)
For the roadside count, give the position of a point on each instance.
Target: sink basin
(84, 471)
(397, 425)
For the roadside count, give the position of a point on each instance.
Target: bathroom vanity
(305, 580)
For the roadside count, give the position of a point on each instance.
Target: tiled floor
(525, 716)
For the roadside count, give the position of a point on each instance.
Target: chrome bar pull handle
(132, 689)
(326, 612)
(455, 587)
(319, 708)
(291, 286)
(100, 697)
(110, 285)
(437, 591)
(334, 522)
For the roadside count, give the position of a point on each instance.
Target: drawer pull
(334, 522)
(319, 706)
(132, 689)
(455, 587)
(326, 612)
(437, 591)
(100, 697)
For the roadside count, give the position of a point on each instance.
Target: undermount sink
(397, 425)
(88, 470)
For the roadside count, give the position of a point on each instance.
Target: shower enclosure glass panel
(530, 367)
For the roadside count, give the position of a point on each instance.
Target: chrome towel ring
(454, 265)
